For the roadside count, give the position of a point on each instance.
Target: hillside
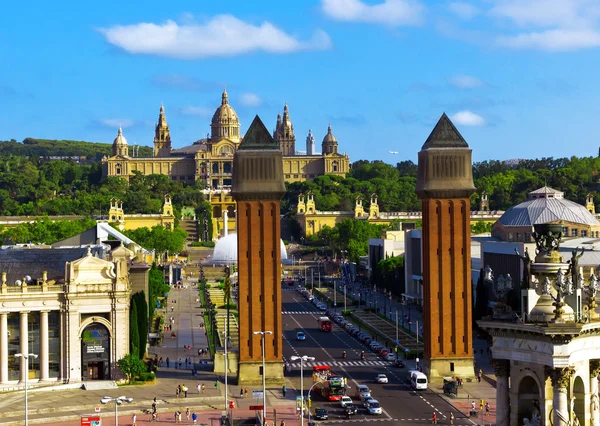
(32, 147)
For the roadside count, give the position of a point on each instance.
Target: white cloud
(463, 10)
(114, 123)
(221, 36)
(468, 118)
(251, 100)
(465, 82)
(552, 40)
(195, 111)
(390, 12)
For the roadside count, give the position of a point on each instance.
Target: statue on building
(574, 264)
(527, 261)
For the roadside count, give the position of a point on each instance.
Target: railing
(56, 288)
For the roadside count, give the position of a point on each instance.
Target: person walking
(282, 423)
(168, 362)
(451, 418)
(246, 393)
(216, 384)
(241, 392)
(487, 409)
(187, 414)
(177, 391)
(198, 387)
(202, 388)
(134, 420)
(283, 390)
(185, 389)
(194, 418)
(434, 419)
(481, 404)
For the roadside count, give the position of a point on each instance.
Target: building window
(510, 236)
(565, 230)
(527, 237)
(583, 233)
(574, 232)
(517, 238)
(295, 176)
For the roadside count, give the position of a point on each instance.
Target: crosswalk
(300, 312)
(365, 363)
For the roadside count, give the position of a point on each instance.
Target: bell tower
(445, 184)
(589, 204)
(373, 207)
(258, 187)
(162, 136)
(284, 133)
(484, 203)
(359, 210)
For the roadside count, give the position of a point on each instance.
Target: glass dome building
(226, 250)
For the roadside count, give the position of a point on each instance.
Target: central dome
(226, 250)
(225, 122)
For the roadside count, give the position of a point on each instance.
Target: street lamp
(302, 359)
(262, 344)
(118, 401)
(226, 366)
(26, 358)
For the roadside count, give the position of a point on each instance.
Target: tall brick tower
(258, 186)
(444, 184)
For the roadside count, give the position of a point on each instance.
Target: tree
(389, 274)
(132, 366)
(139, 299)
(156, 287)
(481, 227)
(134, 332)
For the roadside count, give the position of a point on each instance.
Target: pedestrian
(134, 420)
(194, 418)
(198, 387)
(179, 417)
(472, 405)
(177, 391)
(185, 389)
(241, 392)
(246, 393)
(451, 418)
(216, 384)
(282, 423)
(480, 375)
(203, 387)
(283, 390)
(187, 414)
(168, 362)
(487, 409)
(481, 404)
(176, 416)
(434, 419)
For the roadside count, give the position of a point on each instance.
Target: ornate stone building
(210, 160)
(546, 356)
(445, 184)
(69, 306)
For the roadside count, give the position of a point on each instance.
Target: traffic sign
(397, 341)
(257, 394)
(97, 409)
(256, 407)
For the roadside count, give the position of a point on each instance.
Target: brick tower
(258, 186)
(445, 184)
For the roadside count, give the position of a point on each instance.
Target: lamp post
(118, 401)
(262, 344)
(302, 359)
(345, 285)
(26, 358)
(226, 366)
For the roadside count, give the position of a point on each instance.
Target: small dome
(226, 250)
(225, 114)
(120, 139)
(329, 137)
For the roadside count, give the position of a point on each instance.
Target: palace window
(573, 232)
(583, 233)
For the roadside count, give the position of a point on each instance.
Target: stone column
(502, 367)
(594, 402)
(24, 345)
(3, 347)
(561, 378)
(44, 345)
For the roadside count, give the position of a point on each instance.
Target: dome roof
(225, 114)
(120, 139)
(226, 250)
(329, 137)
(546, 205)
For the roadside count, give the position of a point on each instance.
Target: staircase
(191, 227)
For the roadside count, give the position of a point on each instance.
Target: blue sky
(519, 78)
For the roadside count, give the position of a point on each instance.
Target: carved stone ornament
(501, 367)
(561, 377)
(594, 367)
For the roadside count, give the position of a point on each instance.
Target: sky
(519, 78)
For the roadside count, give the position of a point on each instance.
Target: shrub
(146, 377)
(210, 244)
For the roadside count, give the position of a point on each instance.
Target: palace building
(210, 160)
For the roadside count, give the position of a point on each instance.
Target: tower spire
(224, 96)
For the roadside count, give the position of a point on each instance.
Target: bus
(324, 323)
(330, 386)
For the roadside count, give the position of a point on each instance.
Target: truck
(324, 324)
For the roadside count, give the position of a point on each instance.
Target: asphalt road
(400, 403)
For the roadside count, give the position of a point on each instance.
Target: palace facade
(210, 160)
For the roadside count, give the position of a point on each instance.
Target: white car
(300, 335)
(374, 407)
(345, 400)
(381, 378)
(390, 357)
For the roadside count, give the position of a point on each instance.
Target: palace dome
(329, 137)
(226, 250)
(120, 139)
(225, 122)
(546, 205)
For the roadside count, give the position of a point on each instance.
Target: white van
(418, 380)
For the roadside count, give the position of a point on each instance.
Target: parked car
(381, 378)
(321, 414)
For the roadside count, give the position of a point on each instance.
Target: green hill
(32, 147)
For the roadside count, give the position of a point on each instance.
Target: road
(400, 403)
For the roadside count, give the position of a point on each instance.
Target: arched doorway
(95, 352)
(529, 396)
(579, 403)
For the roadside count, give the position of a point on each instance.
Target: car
(300, 335)
(399, 363)
(362, 390)
(390, 357)
(381, 378)
(321, 414)
(365, 399)
(310, 297)
(322, 306)
(351, 409)
(345, 400)
(384, 351)
(374, 407)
